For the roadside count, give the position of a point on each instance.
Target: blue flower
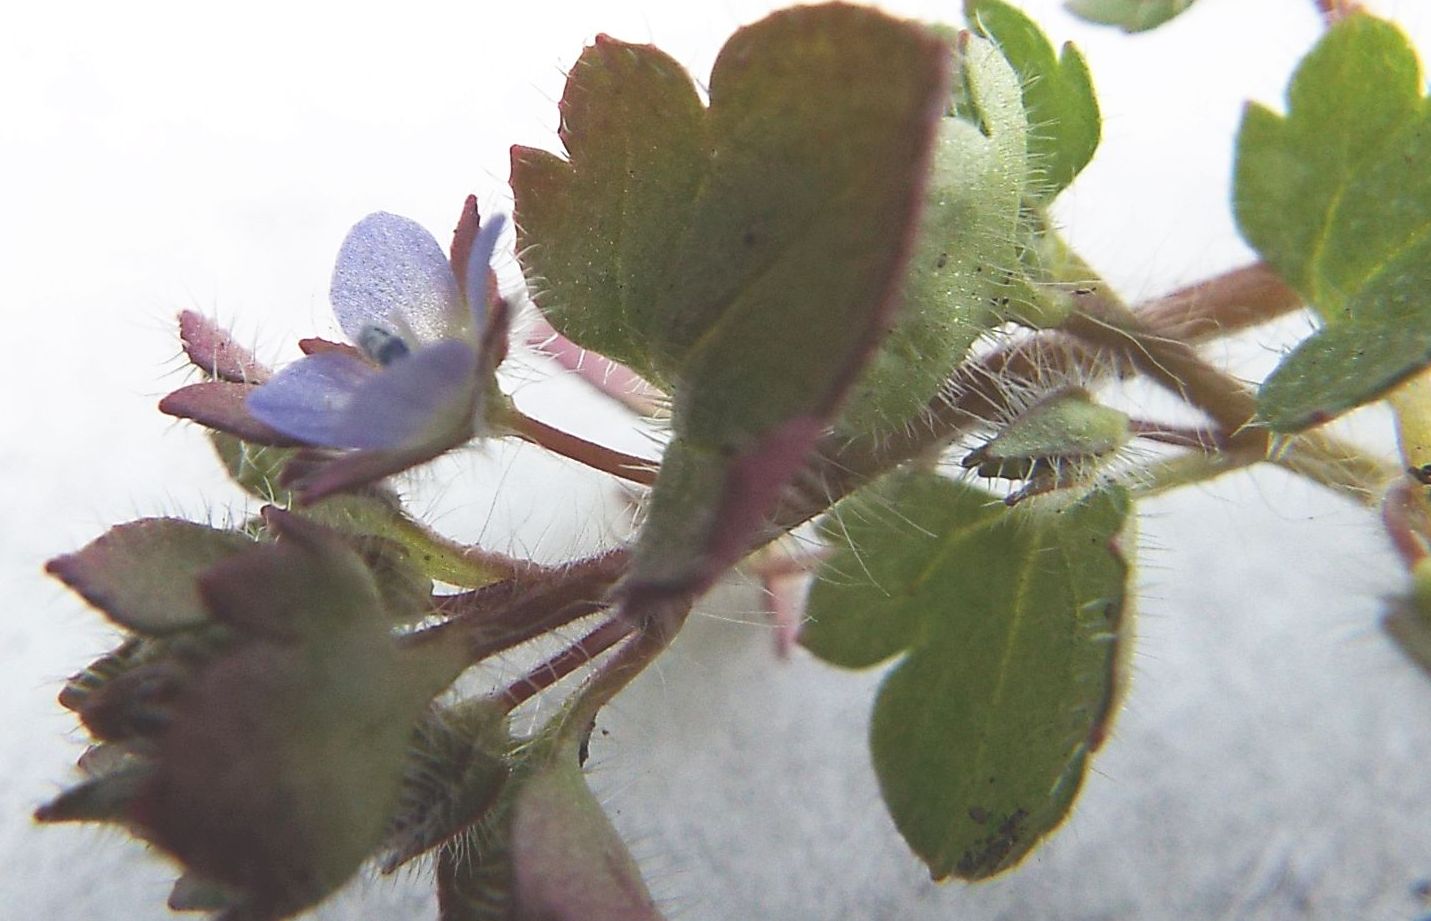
(414, 386)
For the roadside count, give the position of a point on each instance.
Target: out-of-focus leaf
(1012, 628)
(1058, 97)
(457, 768)
(1336, 195)
(549, 853)
(144, 575)
(751, 252)
(1128, 15)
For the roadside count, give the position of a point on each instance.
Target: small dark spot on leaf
(749, 238)
(979, 814)
(990, 854)
(942, 261)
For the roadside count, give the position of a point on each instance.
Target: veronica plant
(836, 282)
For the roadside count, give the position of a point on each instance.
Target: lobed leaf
(1336, 195)
(747, 254)
(1009, 625)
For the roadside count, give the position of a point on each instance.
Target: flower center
(381, 345)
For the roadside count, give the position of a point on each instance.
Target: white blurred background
(1272, 759)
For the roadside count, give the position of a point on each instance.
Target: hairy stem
(618, 671)
(505, 614)
(1104, 322)
(1220, 306)
(598, 457)
(611, 379)
(978, 390)
(574, 657)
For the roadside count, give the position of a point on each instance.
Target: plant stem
(598, 457)
(1336, 464)
(575, 656)
(1220, 306)
(611, 379)
(1101, 320)
(1405, 515)
(505, 614)
(978, 390)
(619, 670)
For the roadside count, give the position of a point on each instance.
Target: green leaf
(144, 575)
(956, 283)
(1385, 340)
(1057, 95)
(1336, 195)
(1010, 629)
(1128, 15)
(751, 252)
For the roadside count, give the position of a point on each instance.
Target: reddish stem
(609, 378)
(598, 457)
(505, 614)
(1404, 514)
(575, 656)
(1227, 303)
(1209, 441)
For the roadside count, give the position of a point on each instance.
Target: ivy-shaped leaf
(1011, 629)
(749, 252)
(1058, 95)
(1336, 195)
(1128, 15)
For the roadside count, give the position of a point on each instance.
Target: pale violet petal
(403, 404)
(478, 263)
(392, 274)
(308, 399)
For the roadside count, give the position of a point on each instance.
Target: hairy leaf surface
(958, 279)
(1008, 626)
(1058, 95)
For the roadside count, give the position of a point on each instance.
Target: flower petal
(392, 274)
(479, 265)
(308, 400)
(413, 399)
